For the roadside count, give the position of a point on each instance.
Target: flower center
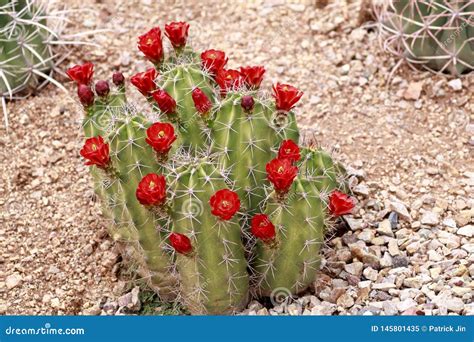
(94, 147)
(151, 186)
(281, 169)
(225, 204)
(161, 134)
(212, 56)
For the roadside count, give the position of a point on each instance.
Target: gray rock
(393, 218)
(354, 224)
(399, 261)
(366, 235)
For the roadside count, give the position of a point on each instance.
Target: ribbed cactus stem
(291, 261)
(213, 277)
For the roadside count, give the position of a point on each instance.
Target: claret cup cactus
(215, 199)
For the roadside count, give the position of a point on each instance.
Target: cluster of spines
(170, 156)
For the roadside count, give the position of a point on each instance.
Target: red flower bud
(96, 152)
(151, 190)
(289, 150)
(201, 101)
(181, 243)
(81, 74)
(151, 45)
(164, 100)
(281, 173)
(228, 80)
(247, 103)
(177, 33)
(118, 79)
(340, 203)
(102, 88)
(86, 95)
(286, 96)
(253, 76)
(213, 60)
(224, 204)
(145, 81)
(262, 227)
(160, 136)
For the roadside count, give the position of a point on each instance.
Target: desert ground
(407, 141)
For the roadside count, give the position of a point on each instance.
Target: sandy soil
(53, 243)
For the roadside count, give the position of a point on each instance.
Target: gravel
(409, 246)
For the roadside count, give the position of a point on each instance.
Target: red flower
(160, 136)
(224, 203)
(228, 79)
(262, 227)
(201, 101)
(286, 96)
(181, 243)
(213, 60)
(86, 95)
(281, 173)
(145, 81)
(151, 190)
(96, 152)
(166, 103)
(177, 33)
(289, 150)
(340, 203)
(81, 74)
(151, 45)
(253, 76)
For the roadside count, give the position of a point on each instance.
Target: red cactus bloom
(213, 60)
(224, 204)
(160, 136)
(145, 81)
(81, 74)
(228, 79)
(340, 203)
(201, 101)
(253, 76)
(247, 103)
(286, 96)
(96, 151)
(262, 227)
(102, 88)
(118, 78)
(289, 150)
(151, 45)
(164, 100)
(181, 243)
(86, 95)
(177, 33)
(151, 190)
(281, 173)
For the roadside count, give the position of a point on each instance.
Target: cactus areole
(214, 196)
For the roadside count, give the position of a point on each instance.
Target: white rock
(455, 304)
(413, 282)
(406, 304)
(385, 228)
(324, 309)
(466, 231)
(366, 235)
(346, 301)
(370, 274)
(413, 247)
(401, 210)
(430, 218)
(449, 239)
(55, 303)
(455, 84)
(13, 280)
(389, 308)
(468, 247)
(355, 268)
(434, 256)
(393, 247)
(383, 286)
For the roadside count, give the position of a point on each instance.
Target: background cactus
(437, 35)
(185, 191)
(30, 35)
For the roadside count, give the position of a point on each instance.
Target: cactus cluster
(216, 198)
(437, 35)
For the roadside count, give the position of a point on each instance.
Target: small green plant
(216, 197)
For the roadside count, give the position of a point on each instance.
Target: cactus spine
(185, 202)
